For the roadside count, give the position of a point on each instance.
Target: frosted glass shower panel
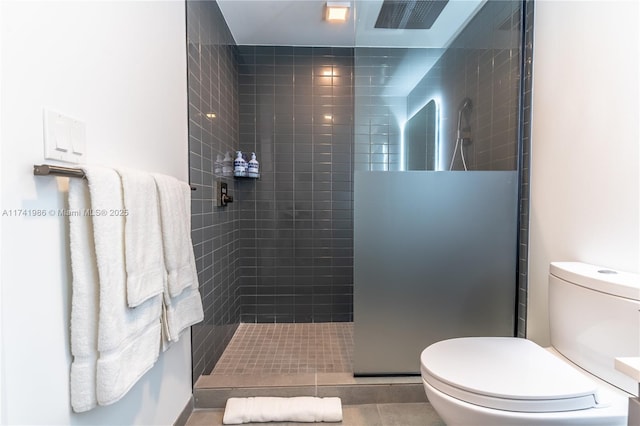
(434, 258)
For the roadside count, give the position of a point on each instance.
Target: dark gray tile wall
(379, 112)
(483, 64)
(213, 88)
(296, 223)
(523, 251)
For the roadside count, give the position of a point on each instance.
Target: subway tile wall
(379, 109)
(213, 82)
(296, 221)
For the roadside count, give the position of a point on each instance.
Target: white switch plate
(64, 138)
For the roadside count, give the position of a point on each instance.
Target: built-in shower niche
(420, 138)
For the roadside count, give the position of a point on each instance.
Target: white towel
(182, 304)
(128, 338)
(271, 409)
(175, 213)
(145, 268)
(84, 300)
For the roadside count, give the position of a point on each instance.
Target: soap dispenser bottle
(253, 167)
(217, 167)
(239, 165)
(227, 165)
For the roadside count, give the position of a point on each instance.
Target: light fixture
(337, 11)
(211, 115)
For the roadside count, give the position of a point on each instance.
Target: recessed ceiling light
(337, 11)
(211, 115)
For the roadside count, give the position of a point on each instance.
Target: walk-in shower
(331, 124)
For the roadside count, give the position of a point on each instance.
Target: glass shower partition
(434, 258)
(436, 190)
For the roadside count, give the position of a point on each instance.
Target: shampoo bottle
(239, 165)
(227, 165)
(217, 168)
(253, 167)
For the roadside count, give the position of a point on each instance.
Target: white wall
(121, 68)
(585, 184)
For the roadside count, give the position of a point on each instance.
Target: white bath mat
(272, 409)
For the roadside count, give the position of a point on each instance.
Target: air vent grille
(409, 14)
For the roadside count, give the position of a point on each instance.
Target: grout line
(379, 413)
(316, 383)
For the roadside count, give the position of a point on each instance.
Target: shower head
(464, 121)
(465, 105)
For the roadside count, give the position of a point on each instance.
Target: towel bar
(47, 169)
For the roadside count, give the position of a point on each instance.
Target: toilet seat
(506, 374)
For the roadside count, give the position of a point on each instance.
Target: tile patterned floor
(319, 352)
(288, 348)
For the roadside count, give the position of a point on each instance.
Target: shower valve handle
(226, 199)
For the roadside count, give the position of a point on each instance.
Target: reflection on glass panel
(420, 138)
(480, 65)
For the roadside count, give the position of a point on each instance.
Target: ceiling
(300, 23)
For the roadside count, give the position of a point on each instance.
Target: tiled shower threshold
(298, 360)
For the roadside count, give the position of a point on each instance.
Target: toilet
(594, 318)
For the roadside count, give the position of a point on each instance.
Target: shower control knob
(226, 199)
(223, 197)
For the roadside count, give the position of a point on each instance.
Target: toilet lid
(506, 373)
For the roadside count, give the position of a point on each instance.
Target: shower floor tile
(288, 349)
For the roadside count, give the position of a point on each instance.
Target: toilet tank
(594, 317)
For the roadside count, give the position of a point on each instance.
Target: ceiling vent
(409, 14)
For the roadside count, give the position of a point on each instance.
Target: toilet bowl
(474, 381)
(510, 381)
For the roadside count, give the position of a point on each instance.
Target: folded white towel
(128, 338)
(175, 214)
(145, 268)
(84, 300)
(272, 409)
